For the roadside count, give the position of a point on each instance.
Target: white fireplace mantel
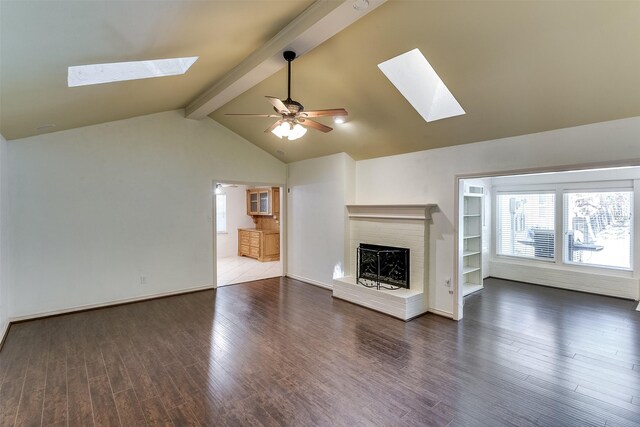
(410, 212)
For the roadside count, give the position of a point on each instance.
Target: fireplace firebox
(382, 267)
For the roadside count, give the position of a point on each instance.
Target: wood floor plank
(79, 397)
(181, 415)
(155, 413)
(129, 409)
(55, 395)
(10, 392)
(102, 402)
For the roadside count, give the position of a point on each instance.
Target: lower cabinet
(263, 245)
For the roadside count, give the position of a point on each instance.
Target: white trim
(441, 313)
(638, 307)
(282, 221)
(109, 303)
(309, 281)
(4, 332)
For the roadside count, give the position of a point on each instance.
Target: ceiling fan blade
(252, 115)
(335, 112)
(273, 126)
(316, 125)
(276, 102)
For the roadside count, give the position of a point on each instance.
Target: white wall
(4, 238)
(93, 209)
(227, 243)
(317, 242)
(429, 177)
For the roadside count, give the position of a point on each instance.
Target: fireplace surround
(399, 227)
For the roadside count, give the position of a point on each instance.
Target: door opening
(247, 232)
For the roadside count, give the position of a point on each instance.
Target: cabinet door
(264, 203)
(253, 203)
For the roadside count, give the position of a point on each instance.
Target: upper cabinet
(263, 201)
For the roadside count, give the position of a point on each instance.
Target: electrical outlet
(143, 280)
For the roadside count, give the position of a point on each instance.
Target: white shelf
(469, 288)
(471, 277)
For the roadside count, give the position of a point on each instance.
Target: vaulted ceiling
(515, 67)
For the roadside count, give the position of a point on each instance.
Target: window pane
(221, 213)
(525, 225)
(597, 228)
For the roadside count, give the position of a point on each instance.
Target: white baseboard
(108, 303)
(4, 329)
(441, 313)
(638, 307)
(310, 281)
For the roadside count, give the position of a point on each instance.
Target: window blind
(525, 225)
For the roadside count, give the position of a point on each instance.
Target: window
(525, 225)
(221, 213)
(597, 228)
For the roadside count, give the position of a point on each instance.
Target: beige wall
(93, 209)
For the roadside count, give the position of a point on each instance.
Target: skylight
(82, 75)
(419, 83)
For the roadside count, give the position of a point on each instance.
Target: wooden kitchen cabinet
(263, 245)
(263, 201)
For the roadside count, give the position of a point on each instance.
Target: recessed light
(82, 75)
(419, 83)
(339, 120)
(46, 126)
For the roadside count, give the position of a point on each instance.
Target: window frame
(559, 189)
(615, 189)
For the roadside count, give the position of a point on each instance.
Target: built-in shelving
(472, 241)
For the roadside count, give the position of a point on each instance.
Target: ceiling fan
(293, 119)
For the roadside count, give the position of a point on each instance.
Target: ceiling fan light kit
(289, 131)
(294, 120)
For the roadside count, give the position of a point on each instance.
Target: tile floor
(235, 269)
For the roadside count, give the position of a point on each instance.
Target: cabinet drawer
(254, 241)
(254, 252)
(244, 249)
(244, 239)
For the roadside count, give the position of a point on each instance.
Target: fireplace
(382, 267)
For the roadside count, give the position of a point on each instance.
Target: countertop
(260, 230)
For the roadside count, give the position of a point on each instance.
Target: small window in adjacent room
(597, 228)
(221, 213)
(525, 225)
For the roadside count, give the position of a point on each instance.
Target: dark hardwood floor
(280, 352)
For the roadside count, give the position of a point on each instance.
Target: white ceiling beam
(322, 20)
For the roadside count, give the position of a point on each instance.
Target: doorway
(569, 229)
(247, 232)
